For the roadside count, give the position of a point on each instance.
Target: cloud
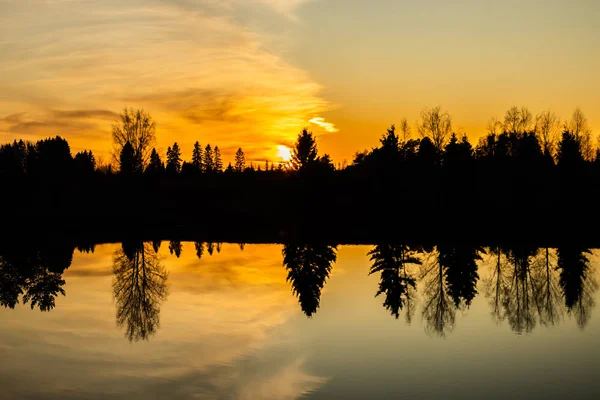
(320, 121)
(200, 73)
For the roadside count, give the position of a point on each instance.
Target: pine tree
(174, 159)
(218, 164)
(240, 161)
(208, 159)
(197, 157)
(155, 166)
(127, 159)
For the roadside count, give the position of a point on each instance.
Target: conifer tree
(197, 157)
(174, 159)
(240, 161)
(218, 162)
(208, 159)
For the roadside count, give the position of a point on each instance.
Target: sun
(284, 152)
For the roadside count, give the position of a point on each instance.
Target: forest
(527, 179)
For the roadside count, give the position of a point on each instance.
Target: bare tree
(405, 130)
(578, 125)
(436, 125)
(139, 287)
(547, 127)
(517, 120)
(137, 128)
(494, 126)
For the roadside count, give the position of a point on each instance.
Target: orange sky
(252, 74)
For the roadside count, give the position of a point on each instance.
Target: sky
(253, 73)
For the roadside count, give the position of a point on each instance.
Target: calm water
(138, 325)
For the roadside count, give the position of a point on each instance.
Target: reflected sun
(284, 152)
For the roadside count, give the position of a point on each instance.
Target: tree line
(524, 172)
(542, 140)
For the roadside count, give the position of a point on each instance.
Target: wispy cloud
(320, 121)
(201, 75)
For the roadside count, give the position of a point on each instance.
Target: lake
(185, 320)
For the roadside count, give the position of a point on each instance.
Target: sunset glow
(284, 153)
(253, 74)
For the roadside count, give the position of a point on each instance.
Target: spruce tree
(174, 159)
(208, 159)
(197, 157)
(155, 166)
(218, 163)
(240, 160)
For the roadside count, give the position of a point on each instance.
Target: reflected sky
(230, 327)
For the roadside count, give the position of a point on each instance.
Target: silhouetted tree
(518, 120)
(197, 157)
(240, 161)
(49, 157)
(308, 268)
(547, 126)
(137, 128)
(436, 125)
(304, 152)
(209, 161)
(84, 162)
(569, 156)
(173, 159)
(13, 158)
(128, 161)
(218, 163)
(578, 126)
(155, 166)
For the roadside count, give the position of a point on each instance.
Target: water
(229, 326)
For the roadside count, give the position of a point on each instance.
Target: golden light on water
(284, 152)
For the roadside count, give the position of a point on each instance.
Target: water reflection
(577, 282)
(139, 288)
(308, 268)
(524, 285)
(34, 274)
(396, 281)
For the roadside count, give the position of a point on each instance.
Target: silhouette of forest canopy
(534, 172)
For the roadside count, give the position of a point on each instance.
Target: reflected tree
(199, 249)
(175, 247)
(35, 274)
(398, 285)
(496, 283)
(520, 297)
(577, 282)
(210, 247)
(548, 291)
(156, 245)
(139, 287)
(439, 310)
(460, 269)
(308, 268)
